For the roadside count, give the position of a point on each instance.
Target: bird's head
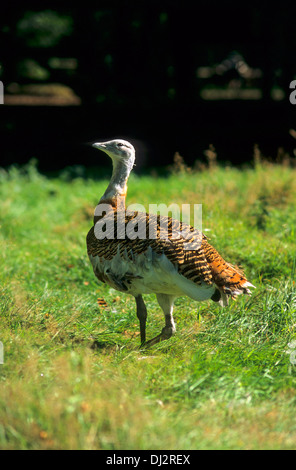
(118, 150)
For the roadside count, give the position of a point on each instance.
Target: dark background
(169, 76)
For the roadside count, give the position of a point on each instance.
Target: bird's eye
(120, 144)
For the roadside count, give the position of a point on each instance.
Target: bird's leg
(142, 316)
(166, 302)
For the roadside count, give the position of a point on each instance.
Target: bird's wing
(180, 243)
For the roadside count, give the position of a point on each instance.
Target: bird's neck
(115, 193)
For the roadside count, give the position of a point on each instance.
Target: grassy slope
(224, 381)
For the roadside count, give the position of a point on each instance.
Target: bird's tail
(229, 279)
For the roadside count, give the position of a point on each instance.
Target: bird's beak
(99, 145)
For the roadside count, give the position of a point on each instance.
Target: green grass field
(73, 375)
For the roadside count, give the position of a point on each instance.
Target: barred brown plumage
(190, 263)
(138, 253)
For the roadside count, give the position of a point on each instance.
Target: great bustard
(164, 265)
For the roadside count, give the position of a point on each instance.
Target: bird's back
(169, 256)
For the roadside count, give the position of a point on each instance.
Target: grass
(73, 375)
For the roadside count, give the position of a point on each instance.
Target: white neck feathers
(117, 187)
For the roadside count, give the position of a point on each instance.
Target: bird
(178, 261)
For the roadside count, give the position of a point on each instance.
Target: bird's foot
(166, 333)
